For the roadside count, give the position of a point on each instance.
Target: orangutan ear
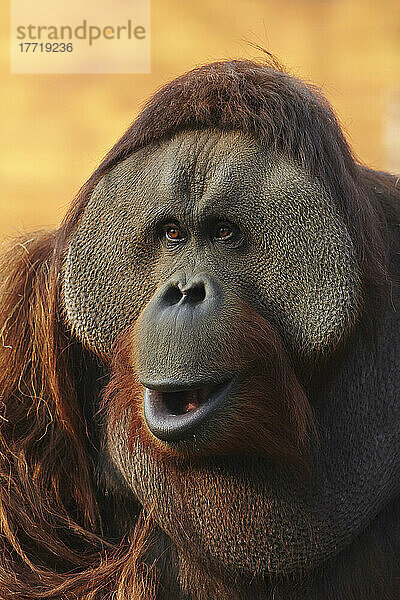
(42, 447)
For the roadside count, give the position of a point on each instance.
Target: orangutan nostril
(196, 294)
(172, 295)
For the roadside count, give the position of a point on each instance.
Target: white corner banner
(85, 36)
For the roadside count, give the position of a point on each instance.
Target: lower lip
(173, 428)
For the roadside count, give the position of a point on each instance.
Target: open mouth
(177, 415)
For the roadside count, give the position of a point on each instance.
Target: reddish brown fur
(46, 491)
(52, 544)
(271, 415)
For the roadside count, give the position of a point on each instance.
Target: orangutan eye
(173, 233)
(223, 232)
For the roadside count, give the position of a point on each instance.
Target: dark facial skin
(289, 254)
(175, 239)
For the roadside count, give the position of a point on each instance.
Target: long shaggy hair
(52, 542)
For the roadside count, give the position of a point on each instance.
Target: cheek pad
(106, 271)
(312, 276)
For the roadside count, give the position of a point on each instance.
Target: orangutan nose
(179, 293)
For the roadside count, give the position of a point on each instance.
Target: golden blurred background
(56, 128)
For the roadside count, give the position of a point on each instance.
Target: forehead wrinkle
(232, 189)
(200, 173)
(196, 165)
(184, 166)
(224, 167)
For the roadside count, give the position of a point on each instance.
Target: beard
(230, 505)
